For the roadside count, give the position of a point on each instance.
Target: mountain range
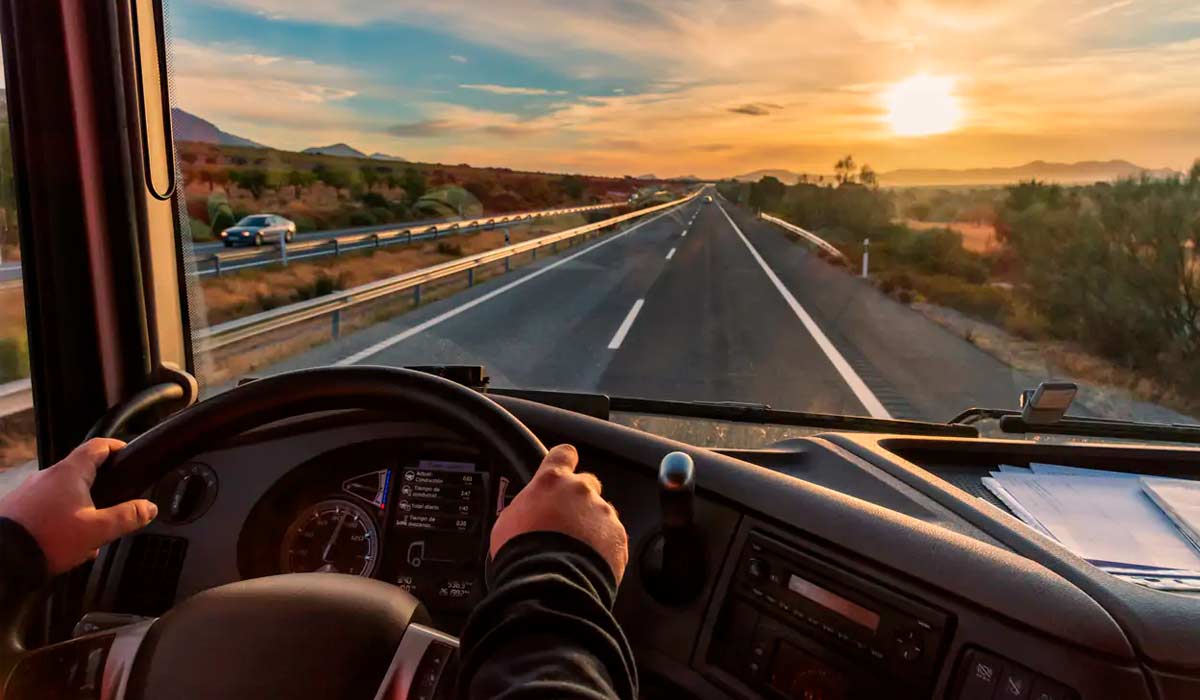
(189, 127)
(1081, 172)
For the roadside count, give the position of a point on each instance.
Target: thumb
(108, 524)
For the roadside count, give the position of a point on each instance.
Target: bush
(1024, 321)
(373, 199)
(981, 301)
(320, 286)
(14, 358)
(266, 302)
(200, 230)
(362, 218)
(304, 223)
(448, 248)
(220, 215)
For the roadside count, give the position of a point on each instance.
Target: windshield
(920, 207)
(255, 221)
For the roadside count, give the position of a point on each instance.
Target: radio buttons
(909, 645)
(757, 568)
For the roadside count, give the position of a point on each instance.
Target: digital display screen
(436, 531)
(834, 602)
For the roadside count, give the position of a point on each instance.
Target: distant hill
(189, 127)
(787, 177)
(647, 176)
(384, 156)
(1081, 172)
(337, 149)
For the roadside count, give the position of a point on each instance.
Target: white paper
(1101, 519)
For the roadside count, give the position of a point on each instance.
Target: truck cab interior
(323, 531)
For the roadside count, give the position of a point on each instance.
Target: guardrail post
(376, 236)
(408, 241)
(471, 277)
(283, 247)
(417, 295)
(866, 255)
(337, 248)
(508, 264)
(535, 253)
(336, 323)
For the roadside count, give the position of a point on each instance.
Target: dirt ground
(977, 237)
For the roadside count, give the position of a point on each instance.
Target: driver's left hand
(55, 506)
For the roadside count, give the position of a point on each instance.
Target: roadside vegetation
(1106, 273)
(321, 192)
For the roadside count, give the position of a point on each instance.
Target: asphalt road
(702, 302)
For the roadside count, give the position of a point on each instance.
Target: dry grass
(16, 450)
(977, 237)
(242, 293)
(12, 312)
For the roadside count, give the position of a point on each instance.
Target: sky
(712, 88)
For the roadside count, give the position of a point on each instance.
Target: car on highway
(258, 229)
(708, 199)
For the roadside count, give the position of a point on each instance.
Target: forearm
(546, 629)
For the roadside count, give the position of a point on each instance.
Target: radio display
(834, 602)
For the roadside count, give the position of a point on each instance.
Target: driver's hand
(55, 506)
(559, 500)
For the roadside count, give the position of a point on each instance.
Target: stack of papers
(1142, 529)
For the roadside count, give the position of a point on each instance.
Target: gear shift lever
(673, 560)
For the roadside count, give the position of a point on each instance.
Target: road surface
(702, 302)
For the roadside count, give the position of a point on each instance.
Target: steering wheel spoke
(423, 668)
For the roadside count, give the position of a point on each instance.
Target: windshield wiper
(1012, 422)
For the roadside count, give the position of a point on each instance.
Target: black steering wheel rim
(146, 459)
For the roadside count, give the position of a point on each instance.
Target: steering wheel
(294, 635)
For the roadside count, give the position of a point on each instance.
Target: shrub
(373, 199)
(1024, 321)
(362, 218)
(14, 358)
(321, 285)
(200, 230)
(983, 302)
(448, 248)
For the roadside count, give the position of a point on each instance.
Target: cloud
(755, 109)
(457, 58)
(425, 128)
(510, 90)
(1099, 11)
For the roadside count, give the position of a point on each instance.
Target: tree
(300, 179)
(253, 180)
(844, 170)
(867, 176)
(369, 177)
(572, 186)
(413, 183)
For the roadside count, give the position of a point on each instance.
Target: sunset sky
(700, 87)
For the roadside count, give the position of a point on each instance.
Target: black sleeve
(546, 629)
(22, 563)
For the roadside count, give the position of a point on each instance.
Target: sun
(922, 105)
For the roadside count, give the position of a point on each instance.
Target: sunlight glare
(922, 105)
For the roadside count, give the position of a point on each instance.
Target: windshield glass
(920, 207)
(255, 221)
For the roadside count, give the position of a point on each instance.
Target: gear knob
(676, 489)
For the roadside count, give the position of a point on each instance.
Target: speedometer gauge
(332, 536)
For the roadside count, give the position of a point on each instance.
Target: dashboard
(839, 566)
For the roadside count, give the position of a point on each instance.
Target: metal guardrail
(390, 236)
(810, 237)
(229, 332)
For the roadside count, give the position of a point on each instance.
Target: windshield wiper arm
(1013, 422)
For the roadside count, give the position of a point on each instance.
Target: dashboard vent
(151, 575)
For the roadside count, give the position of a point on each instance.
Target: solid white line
(684, 233)
(623, 329)
(426, 325)
(670, 254)
(857, 385)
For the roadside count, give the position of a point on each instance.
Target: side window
(18, 439)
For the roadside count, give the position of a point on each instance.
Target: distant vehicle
(708, 199)
(258, 229)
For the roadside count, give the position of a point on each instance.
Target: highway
(701, 302)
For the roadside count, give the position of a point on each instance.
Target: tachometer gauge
(332, 536)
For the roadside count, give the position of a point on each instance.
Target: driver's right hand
(558, 499)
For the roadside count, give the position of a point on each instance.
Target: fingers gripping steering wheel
(294, 635)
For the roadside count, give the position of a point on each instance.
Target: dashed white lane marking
(446, 316)
(623, 330)
(670, 254)
(857, 385)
